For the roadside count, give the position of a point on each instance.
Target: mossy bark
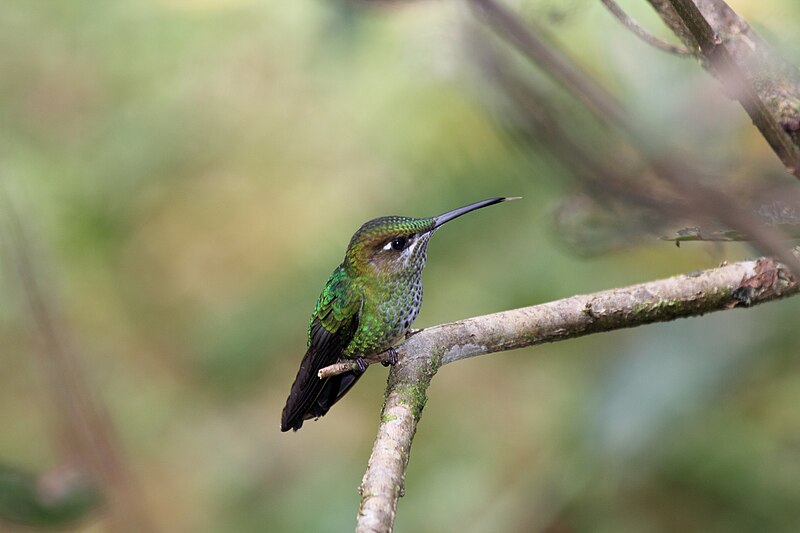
(741, 284)
(383, 483)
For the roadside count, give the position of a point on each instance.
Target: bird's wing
(333, 325)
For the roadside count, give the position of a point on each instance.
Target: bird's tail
(312, 397)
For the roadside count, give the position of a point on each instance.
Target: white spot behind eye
(411, 241)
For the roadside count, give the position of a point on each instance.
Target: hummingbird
(367, 306)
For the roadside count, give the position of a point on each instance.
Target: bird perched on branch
(367, 306)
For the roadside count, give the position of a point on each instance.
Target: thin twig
(349, 365)
(642, 33)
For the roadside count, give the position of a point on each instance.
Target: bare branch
(642, 33)
(741, 284)
(349, 365)
(383, 482)
(767, 86)
(558, 65)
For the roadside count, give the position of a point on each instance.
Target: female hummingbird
(367, 306)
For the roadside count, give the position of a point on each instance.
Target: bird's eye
(399, 243)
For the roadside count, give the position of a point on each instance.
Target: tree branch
(642, 33)
(566, 72)
(669, 168)
(384, 480)
(742, 284)
(767, 86)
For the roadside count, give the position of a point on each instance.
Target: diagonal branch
(668, 168)
(557, 64)
(741, 284)
(766, 85)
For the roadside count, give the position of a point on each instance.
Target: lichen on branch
(742, 284)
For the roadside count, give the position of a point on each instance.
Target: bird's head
(394, 245)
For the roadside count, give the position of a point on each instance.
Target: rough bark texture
(737, 285)
(767, 86)
(741, 284)
(383, 483)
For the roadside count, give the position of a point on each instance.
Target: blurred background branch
(766, 85)
(84, 435)
(672, 169)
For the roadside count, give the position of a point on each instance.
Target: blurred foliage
(195, 169)
(58, 499)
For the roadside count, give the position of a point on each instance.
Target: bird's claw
(393, 358)
(362, 364)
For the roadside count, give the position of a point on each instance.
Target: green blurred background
(193, 170)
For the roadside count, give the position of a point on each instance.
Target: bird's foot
(362, 364)
(393, 357)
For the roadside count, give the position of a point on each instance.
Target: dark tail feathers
(312, 397)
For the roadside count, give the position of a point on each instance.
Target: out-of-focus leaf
(55, 499)
(589, 228)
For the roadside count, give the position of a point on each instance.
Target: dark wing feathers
(310, 396)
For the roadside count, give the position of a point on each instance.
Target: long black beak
(455, 213)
